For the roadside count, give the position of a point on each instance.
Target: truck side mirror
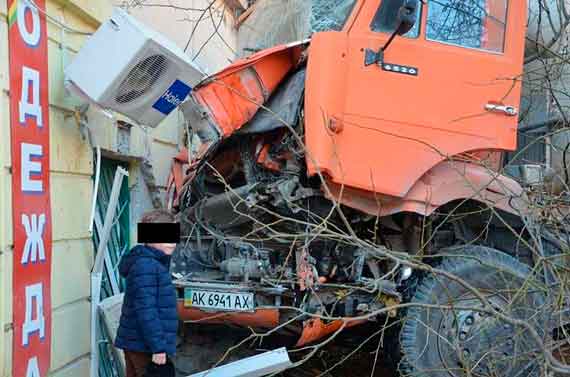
(405, 19)
(407, 16)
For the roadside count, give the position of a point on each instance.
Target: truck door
(451, 85)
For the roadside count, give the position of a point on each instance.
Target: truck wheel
(446, 333)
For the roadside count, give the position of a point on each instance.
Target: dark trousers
(137, 363)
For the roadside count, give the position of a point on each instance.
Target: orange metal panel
(261, 318)
(448, 181)
(233, 100)
(315, 329)
(265, 159)
(234, 95)
(380, 131)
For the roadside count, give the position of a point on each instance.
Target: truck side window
(386, 19)
(477, 24)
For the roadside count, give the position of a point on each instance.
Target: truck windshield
(477, 24)
(330, 15)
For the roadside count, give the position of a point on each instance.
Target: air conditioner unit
(128, 68)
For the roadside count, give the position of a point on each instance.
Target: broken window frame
(388, 11)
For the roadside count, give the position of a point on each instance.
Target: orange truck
(348, 178)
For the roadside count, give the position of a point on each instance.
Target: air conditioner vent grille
(141, 78)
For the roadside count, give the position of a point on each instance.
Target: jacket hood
(141, 251)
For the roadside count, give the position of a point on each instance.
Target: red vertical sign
(29, 112)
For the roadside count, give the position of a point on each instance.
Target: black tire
(448, 342)
(510, 243)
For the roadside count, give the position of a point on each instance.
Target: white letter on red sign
(33, 370)
(32, 38)
(30, 167)
(34, 294)
(33, 108)
(34, 246)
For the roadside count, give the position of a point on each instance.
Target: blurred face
(166, 248)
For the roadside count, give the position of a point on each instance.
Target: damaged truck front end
(247, 208)
(269, 244)
(324, 183)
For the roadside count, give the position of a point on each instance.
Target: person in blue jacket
(149, 319)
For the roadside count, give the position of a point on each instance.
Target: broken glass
(330, 15)
(477, 24)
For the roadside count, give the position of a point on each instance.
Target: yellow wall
(71, 190)
(72, 168)
(71, 195)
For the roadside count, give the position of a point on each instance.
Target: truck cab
(449, 88)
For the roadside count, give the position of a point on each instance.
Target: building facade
(76, 133)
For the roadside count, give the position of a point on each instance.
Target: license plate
(226, 301)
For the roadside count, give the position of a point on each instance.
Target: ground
(202, 346)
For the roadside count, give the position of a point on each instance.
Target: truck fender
(446, 182)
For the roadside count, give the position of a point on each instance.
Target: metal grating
(118, 245)
(142, 78)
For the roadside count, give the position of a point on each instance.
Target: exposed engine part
(245, 268)
(245, 261)
(251, 169)
(358, 266)
(374, 268)
(249, 203)
(290, 191)
(344, 302)
(405, 274)
(225, 210)
(306, 271)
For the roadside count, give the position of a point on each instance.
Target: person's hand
(159, 358)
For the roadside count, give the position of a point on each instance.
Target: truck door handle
(507, 110)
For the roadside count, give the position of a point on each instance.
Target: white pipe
(108, 264)
(96, 279)
(96, 190)
(257, 366)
